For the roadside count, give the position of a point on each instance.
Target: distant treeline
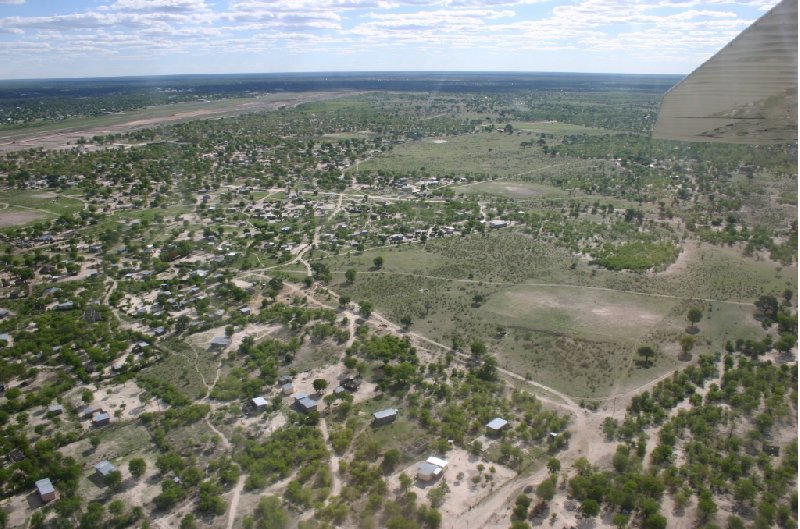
(23, 101)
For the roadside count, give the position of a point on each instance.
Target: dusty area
(15, 218)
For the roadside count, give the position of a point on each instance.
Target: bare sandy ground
(15, 218)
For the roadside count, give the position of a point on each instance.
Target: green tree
(547, 488)
(405, 482)
(366, 309)
(706, 506)
(694, 315)
(378, 262)
(687, 344)
(137, 467)
(553, 465)
(269, 514)
(590, 508)
(390, 460)
(113, 480)
(477, 348)
(188, 522)
(320, 384)
(647, 353)
(350, 275)
(344, 301)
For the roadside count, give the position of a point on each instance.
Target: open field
(492, 153)
(22, 207)
(510, 189)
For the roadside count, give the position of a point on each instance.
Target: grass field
(21, 207)
(554, 127)
(495, 154)
(575, 328)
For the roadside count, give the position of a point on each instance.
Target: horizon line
(340, 72)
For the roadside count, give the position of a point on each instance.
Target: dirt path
(336, 482)
(234, 507)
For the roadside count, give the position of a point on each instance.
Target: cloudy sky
(89, 38)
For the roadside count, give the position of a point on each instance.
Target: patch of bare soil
(521, 191)
(15, 218)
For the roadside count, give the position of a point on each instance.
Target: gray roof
(220, 340)
(259, 401)
(307, 404)
(101, 417)
(105, 467)
(44, 486)
(497, 424)
(388, 412)
(428, 469)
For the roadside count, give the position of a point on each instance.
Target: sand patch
(521, 191)
(439, 141)
(16, 218)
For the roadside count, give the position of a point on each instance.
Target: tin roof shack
(431, 469)
(103, 469)
(219, 342)
(101, 419)
(287, 388)
(55, 409)
(257, 404)
(379, 418)
(304, 404)
(47, 492)
(496, 426)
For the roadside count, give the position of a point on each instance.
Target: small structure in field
(55, 409)
(104, 468)
(219, 342)
(258, 404)
(101, 419)
(287, 388)
(305, 404)
(46, 490)
(431, 469)
(496, 425)
(382, 417)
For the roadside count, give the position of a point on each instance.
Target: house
(431, 469)
(4, 313)
(496, 425)
(287, 389)
(284, 379)
(5, 337)
(67, 305)
(245, 311)
(89, 411)
(104, 468)
(219, 342)
(305, 405)
(55, 409)
(45, 489)
(382, 417)
(258, 403)
(101, 419)
(494, 224)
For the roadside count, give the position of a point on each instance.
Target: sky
(109, 38)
